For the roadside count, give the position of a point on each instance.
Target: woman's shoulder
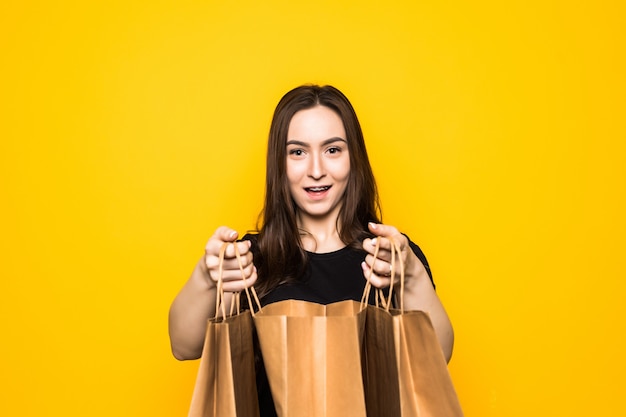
(420, 255)
(251, 236)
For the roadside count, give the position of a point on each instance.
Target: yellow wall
(131, 130)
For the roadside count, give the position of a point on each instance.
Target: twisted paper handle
(247, 289)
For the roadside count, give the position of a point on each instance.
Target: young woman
(318, 228)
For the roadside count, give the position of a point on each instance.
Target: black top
(330, 277)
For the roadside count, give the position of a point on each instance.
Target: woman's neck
(319, 236)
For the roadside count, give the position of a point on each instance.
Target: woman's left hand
(379, 270)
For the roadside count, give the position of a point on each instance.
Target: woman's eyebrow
(324, 143)
(333, 140)
(297, 142)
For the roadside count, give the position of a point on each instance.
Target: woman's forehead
(316, 124)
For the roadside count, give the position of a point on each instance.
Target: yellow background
(131, 130)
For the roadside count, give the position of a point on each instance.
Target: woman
(319, 227)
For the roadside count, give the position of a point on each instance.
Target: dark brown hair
(280, 257)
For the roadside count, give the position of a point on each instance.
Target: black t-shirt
(330, 277)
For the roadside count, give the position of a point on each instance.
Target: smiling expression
(318, 162)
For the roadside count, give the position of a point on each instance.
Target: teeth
(318, 189)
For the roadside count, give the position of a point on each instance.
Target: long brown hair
(280, 257)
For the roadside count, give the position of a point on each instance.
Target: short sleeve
(420, 255)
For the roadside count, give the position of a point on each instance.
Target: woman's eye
(296, 152)
(334, 150)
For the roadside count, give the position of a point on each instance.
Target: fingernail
(373, 225)
(374, 241)
(232, 234)
(364, 266)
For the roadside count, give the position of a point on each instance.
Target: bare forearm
(188, 315)
(420, 295)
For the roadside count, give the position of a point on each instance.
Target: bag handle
(236, 304)
(368, 284)
(380, 297)
(247, 289)
(219, 301)
(396, 248)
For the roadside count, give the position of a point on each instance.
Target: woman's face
(318, 162)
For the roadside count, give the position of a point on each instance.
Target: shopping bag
(226, 381)
(312, 356)
(405, 371)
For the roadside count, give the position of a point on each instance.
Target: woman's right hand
(232, 276)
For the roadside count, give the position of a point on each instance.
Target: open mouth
(317, 189)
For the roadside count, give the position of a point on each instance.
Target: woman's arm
(195, 303)
(419, 293)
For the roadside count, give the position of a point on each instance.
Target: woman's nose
(316, 167)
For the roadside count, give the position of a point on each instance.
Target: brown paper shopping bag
(405, 370)
(312, 356)
(226, 380)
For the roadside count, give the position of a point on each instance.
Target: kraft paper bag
(226, 380)
(312, 355)
(405, 373)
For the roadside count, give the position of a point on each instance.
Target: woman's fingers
(222, 234)
(237, 283)
(382, 254)
(377, 263)
(381, 265)
(236, 272)
(233, 271)
(383, 230)
(377, 280)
